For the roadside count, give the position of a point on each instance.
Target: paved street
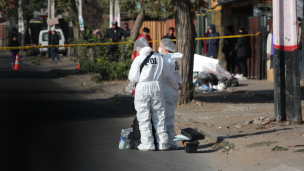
(47, 125)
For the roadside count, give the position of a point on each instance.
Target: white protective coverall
(149, 99)
(171, 93)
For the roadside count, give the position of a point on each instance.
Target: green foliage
(299, 151)
(265, 143)
(9, 8)
(223, 146)
(277, 148)
(107, 67)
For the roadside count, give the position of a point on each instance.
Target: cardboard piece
(52, 22)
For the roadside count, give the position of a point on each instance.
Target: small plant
(278, 148)
(36, 60)
(299, 151)
(265, 143)
(223, 146)
(109, 66)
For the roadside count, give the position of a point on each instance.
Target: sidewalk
(223, 116)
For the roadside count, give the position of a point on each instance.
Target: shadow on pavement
(222, 138)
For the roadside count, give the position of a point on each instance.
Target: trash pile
(211, 77)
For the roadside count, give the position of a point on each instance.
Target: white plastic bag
(215, 69)
(124, 142)
(221, 87)
(130, 87)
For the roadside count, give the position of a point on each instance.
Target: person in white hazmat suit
(171, 85)
(149, 100)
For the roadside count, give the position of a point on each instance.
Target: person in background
(204, 44)
(300, 45)
(146, 34)
(269, 49)
(127, 31)
(114, 34)
(14, 43)
(213, 44)
(55, 41)
(228, 49)
(170, 35)
(243, 53)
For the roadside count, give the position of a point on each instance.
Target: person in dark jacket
(54, 41)
(243, 53)
(14, 43)
(170, 35)
(114, 34)
(228, 49)
(213, 44)
(127, 31)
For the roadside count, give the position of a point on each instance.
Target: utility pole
(80, 19)
(302, 64)
(287, 94)
(49, 27)
(111, 13)
(20, 20)
(53, 12)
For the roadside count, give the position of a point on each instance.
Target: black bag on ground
(135, 135)
(234, 82)
(192, 134)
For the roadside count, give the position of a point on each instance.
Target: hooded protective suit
(171, 94)
(149, 99)
(171, 86)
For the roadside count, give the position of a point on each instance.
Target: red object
(78, 65)
(133, 91)
(17, 66)
(204, 44)
(285, 48)
(135, 53)
(42, 16)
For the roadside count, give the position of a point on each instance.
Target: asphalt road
(48, 126)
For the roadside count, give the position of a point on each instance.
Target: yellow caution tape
(116, 43)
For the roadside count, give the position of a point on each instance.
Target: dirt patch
(223, 147)
(36, 60)
(265, 143)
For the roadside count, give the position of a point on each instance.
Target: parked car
(44, 38)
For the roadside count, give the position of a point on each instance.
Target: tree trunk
(185, 32)
(73, 10)
(24, 36)
(138, 22)
(75, 29)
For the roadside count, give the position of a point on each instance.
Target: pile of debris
(264, 120)
(211, 76)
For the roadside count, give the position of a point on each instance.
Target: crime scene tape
(117, 43)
